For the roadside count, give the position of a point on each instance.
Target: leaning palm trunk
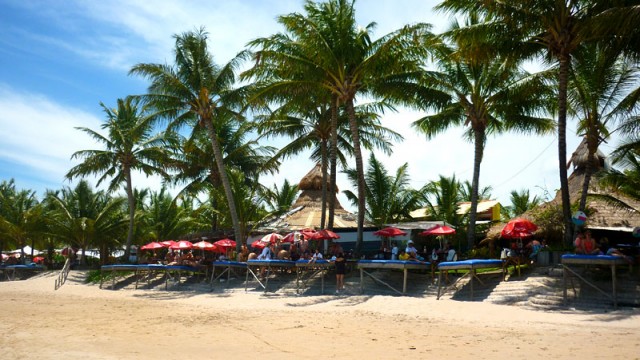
(323, 150)
(333, 160)
(132, 213)
(360, 170)
(475, 185)
(563, 77)
(226, 185)
(592, 147)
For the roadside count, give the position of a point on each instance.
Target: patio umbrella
(307, 233)
(439, 230)
(271, 238)
(168, 243)
(206, 246)
(290, 237)
(258, 244)
(152, 246)
(182, 245)
(389, 232)
(518, 228)
(324, 234)
(225, 243)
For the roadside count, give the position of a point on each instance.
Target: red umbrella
(271, 238)
(518, 228)
(168, 243)
(289, 238)
(205, 245)
(324, 234)
(307, 233)
(389, 232)
(439, 230)
(152, 246)
(225, 243)
(258, 244)
(182, 245)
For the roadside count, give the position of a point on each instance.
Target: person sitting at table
(403, 255)
(244, 253)
(188, 259)
(267, 254)
(413, 252)
(586, 245)
(317, 255)
(606, 249)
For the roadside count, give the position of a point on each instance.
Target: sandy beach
(83, 321)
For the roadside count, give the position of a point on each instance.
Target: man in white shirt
(413, 252)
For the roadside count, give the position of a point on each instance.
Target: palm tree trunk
(226, 185)
(475, 185)
(563, 77)
(360, 170)
(132, 212)
(323, 151)
(333, 161)
(592, 147)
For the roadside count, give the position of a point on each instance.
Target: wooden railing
(62, 277)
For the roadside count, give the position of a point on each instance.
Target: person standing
(394, 251)
(341, 268)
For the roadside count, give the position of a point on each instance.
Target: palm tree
(198, 94)
(326, 50)
(389, 198)
(488, 96)
(22, 216)
(600, 83)
(466, 192)
(521, 202)
(309, 127)
(555, 29)
(279, 200)
(130, 145)
(166, 218)
(83, 217)
(441, 199)
(198, 171)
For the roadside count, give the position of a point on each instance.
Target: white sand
(83, 321)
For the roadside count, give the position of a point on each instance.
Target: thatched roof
(602, 214)
(580, 157)
(313, 180)
(306, 212)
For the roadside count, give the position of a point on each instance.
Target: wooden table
(404, 265)
(472, 265)
(569, 260)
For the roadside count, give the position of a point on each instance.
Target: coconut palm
(600, 84)
(325, 49)
(130, 145)
(521, 202)
(309, 127)
(166, 218)
(441, 199)
(197, 94)
(83, 217)
(488, 97)
(22, 216)
(555, 29)
(198, 171)
(279, 200)
(389, 198)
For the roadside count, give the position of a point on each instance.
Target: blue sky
(60, 59)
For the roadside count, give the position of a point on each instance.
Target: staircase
(542, 287)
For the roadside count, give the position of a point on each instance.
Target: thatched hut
(604, 217)
(306, 212)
